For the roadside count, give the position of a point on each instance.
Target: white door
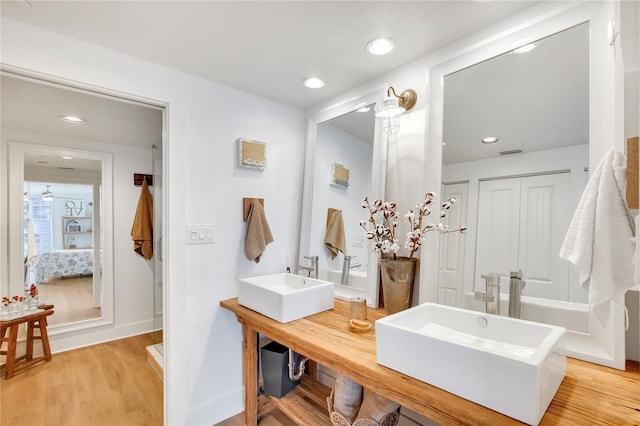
(452, 248)
(544, 219)
(521, 225)
(498, 230)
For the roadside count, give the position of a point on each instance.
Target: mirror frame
(602, 345)
(17, 150)
(376, 189)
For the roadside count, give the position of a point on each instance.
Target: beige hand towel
(142, 229)
(258, 232)
(334, 239)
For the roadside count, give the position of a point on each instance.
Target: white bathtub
(572, 316)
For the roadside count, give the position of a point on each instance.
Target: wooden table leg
(250, 370)
(29, 343)
(44, 337)
(11, 351)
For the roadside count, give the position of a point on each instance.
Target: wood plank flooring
(271, 416)
(72, 298)
(110, 384)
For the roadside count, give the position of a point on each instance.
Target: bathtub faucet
(491, 296)
(515, 292)
(312, 269)
(344, 279)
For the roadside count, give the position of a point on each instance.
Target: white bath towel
(599, 239)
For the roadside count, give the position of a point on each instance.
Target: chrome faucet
(312, 269)
(491, 296)
(346, 265)
(515, 292)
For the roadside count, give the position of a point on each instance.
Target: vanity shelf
(306, 404)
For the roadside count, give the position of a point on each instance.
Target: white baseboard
(216, 410)
(92, 336)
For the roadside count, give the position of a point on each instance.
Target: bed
(63, 263)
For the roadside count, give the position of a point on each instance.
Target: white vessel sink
(285, 297)
(508, 365)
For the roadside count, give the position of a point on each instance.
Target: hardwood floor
(109, 384)
(72, 299)
(271, 416)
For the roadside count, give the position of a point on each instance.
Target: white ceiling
(268, 47)
(35, 107)
(534, 101)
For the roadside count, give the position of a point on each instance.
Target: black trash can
(275, 370)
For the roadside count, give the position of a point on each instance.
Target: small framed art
(252, 154)
(339, 176)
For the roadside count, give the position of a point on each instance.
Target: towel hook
(246, 205)
(138, 178)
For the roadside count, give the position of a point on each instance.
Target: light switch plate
(201, 234)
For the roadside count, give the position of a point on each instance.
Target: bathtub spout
(515, 293)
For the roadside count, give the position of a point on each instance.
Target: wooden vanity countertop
(589, 394)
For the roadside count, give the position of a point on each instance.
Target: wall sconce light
(47, 195)
(392, 106)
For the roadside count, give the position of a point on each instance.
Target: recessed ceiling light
(364, 109)
(490, 139)
(380, 46)
(313, 82)
(72, 119)
(524, 49)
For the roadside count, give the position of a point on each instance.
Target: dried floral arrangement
(383, 221)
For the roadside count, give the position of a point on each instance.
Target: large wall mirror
(344, 164)
(518, 194)
(519, 191)
(61, 197)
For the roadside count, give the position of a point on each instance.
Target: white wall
(203, 376)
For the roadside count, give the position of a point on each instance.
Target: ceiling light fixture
(364, 109)
(47, 195)
(380, 46)
(524, 49)
(313, 82)
(490, 139)
(72, 119)
(66, 157)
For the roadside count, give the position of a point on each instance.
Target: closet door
(452, 247)
(544, 219)
(498, 230)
